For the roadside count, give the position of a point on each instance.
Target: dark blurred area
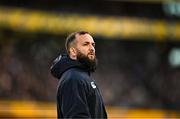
(133, 72)
(152, 10)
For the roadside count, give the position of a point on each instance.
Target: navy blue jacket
(77, 95)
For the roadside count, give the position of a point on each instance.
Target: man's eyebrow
(88, 42)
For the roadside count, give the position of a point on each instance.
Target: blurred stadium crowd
(130, 73)
(133, 72)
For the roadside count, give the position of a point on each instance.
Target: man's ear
(73, 51)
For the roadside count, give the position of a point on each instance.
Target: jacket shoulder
(75, 79)
(75, 75)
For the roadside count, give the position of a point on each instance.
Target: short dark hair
(70, 38)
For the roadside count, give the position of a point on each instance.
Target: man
(78, 95)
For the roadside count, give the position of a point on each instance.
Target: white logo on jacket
(93, 85)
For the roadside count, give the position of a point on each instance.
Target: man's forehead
(84, 38)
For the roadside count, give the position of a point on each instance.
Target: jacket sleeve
(73, 99)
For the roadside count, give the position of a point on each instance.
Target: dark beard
(90, 64)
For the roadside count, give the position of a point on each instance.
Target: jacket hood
(62, 63)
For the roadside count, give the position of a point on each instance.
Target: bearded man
(78, 95)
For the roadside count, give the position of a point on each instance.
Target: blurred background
(137, 45)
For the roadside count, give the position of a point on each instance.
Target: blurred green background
(137, 45)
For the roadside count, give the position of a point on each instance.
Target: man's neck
(73, 57)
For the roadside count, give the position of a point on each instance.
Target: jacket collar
(63, 62)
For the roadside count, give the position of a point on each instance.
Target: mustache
(91, 53)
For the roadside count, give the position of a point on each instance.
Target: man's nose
(92, 48)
